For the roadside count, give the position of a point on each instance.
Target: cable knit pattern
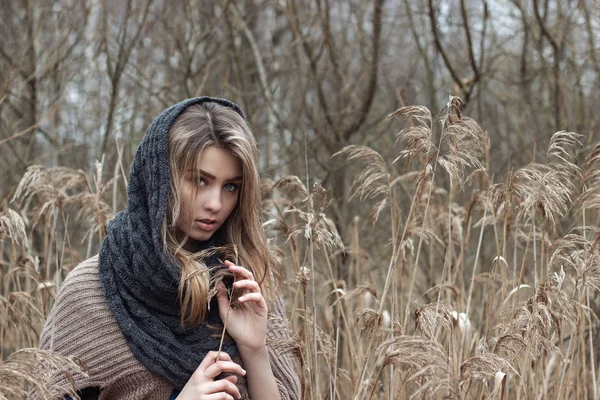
(81, 325)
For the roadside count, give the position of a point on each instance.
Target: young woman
(138, 314)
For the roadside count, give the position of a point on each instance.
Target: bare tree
(118, 43)
(38, 53)
(465, 84)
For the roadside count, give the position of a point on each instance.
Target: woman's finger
(247, 284)
(239, 270)
(251, 297)
(231, 378)
(222, 385)
(217, 368)
(219, 396)
(211, 357)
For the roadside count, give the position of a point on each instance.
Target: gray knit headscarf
(140, 280)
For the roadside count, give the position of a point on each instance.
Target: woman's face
(209, 195)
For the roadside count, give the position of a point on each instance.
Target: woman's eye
(230, 187)
(202, 182)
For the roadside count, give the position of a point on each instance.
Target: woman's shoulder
(81, 289)
(84, 275)
(80, 310)
(82, 325)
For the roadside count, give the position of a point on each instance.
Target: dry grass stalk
(364, 291)
(430, 317)
(12, 226)
(19, 317)
(374, 181)
(60, 187)
(369, 321)
(419, 361)
(24, 372)
(547, 188)
(542, 320)
(483, 367)
(589, 198)
(509, 346)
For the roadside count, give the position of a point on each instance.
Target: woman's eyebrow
(211, 176)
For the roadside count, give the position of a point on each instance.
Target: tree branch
(373, 69)
(543, 28)
(463, 11)
(312, 62)
(438, 45)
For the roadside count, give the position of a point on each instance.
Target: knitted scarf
(140, 281)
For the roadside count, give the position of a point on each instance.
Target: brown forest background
(82, 80)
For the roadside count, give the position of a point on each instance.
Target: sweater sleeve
(280, 345)
(82, 326)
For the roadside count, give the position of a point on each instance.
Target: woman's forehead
(217, 162)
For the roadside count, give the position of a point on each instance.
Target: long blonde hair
(199, 126)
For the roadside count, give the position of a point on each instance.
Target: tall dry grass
(460, 284)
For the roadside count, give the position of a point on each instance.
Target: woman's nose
(213, 201)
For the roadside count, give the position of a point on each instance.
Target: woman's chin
(193, 243)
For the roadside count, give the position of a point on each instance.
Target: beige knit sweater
(81, 325)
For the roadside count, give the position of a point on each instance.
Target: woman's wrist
(249, 351)
(260, 379)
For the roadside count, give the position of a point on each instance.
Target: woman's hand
(202, 384)
(246, 324)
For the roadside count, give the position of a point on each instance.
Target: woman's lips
(206, 224)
